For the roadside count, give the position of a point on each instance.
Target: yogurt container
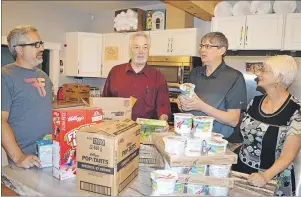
(200, 190)
(216, 146)
(163, 182)
(218, 191)
(175, 145)
(183, 123)
(200, 170)
(217, 136)
(202, 126)
(220, 171)
(187, 89)
(194, 147)
(179, 187)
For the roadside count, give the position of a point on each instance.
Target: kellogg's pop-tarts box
(65, 124)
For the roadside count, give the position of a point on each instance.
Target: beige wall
(239, 62)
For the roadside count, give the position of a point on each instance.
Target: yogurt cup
(175, 145)
(187, 89)
(220, 171)
(218, 191)
(200, 190)
(163, 182)
(183, 123)
(202, 126)
(217, 136)
(199, 170)
(216, 146)
(194, 147)
(179, 170)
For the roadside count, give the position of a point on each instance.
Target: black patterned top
(264, 136)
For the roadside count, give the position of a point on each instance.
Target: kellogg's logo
(75, 118)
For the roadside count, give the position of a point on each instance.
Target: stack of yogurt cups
(195, 138)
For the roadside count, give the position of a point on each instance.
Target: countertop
(40, 182)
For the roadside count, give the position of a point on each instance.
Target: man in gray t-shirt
(220, 90)
(26, 97)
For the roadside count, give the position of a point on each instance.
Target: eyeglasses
(35, 44)
(208, 46)
(262, 69)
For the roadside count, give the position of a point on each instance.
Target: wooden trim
(201, 9)
(5, 191)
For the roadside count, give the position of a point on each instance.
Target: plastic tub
(202, 126)
(218, 191)
(200, 190)
(220, 171)
(199, 170)
(183, 123)
(163, 182)
(215, 146)
(194, 147)
(187, 89)
(175, 145)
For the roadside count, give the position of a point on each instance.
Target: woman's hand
(257, 179)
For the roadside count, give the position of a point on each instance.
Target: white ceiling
(97, 6)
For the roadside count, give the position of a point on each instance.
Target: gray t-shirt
(27, 95)
(224, 89)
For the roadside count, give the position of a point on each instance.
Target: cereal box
(66, 122)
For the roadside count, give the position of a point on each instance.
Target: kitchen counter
(40, 182)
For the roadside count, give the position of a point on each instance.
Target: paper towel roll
(241, 8)
(261, 7)
(284, 7)
(223, 9)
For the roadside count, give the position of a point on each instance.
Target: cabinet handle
(242, 28)
(171, 45)
(168, 45)
(77, 67)
(247, 35)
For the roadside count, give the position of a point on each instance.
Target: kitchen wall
(238, 62)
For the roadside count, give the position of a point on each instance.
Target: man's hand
(257, 179)
(191, 103)
(28, 161)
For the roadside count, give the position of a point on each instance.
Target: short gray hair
(284, 65)
(216, 38)
(18, 36)
(138, 34)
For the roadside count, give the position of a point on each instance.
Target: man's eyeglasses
(208, 46)
(35, 44)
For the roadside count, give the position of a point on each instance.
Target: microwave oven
(176, 69)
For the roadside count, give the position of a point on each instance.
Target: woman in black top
(271, 128)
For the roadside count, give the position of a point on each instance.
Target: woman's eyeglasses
(35, 44)
(208, 46)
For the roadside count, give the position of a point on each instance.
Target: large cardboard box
(76, 92)
(66, 122)
(113, 108)
(107, 157)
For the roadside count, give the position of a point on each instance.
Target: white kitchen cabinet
(252, 32)
(175, 42)
(264, 32)
(233, 28)
(113, 52)
(292, 35)
(83, 54)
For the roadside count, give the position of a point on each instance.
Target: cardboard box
(76, 92)
(141, 19)
(150, 156)
(155, 19)
(44, 152)
(113, 108)
(107, 157)
(148, 127)
(65, 125)
(228, 158)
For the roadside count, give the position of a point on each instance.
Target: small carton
(150, 156)
(44, 152)
(113, 108)
(155, 19)
(107, 157)
(76, 92)
(66, 122)
(149, 126)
